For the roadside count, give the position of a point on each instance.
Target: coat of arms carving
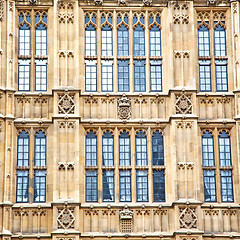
(124, 108)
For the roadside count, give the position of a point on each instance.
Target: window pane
(91, 186)
(108, 186)
(158, 186)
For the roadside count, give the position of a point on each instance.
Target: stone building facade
(119, 119)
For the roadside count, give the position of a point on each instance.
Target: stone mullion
(99, 151)
(116, 164)
(150, 172)
(133, 164)
(147, 46)
(32, 52)
(114, 37)
(31, 164)
(131, 64)
(212, 54)
(217, 164)
(99, 65)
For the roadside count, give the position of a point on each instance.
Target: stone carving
(235, 7)
(1, 11)
(66, 103)
(63, 17)
(98, 2)
(64, 124)
(187, 218)
(183, 104)
(212, 2)
(0, 127)
(66, 165)
(124, 108)
(184, 124)
(121, 2)
(33, 2)
(126, 213)
(147, 2)
(11, 6)
(187, 165)
(65, 217)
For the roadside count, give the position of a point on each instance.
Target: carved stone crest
(126, 214)
(147, 2)
(183, 104)
(98, 2)
(66, 218)
(66, 104)
(188, 218)
(124, 108)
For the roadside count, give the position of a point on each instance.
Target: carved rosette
(66, 218)
(183, 104)
(124, 108)
(66, 104)
(188, 218)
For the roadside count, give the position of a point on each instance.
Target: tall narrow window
(91, 149)
(123, 75)
(107, 76)
(108, 186)
(106, 34)
(90, 75)
(22, 186)
(125, 186)
(122, 35)
(139, 76)
(24, 42)
(124, 149)
(142, 185)
(90, 35)
(138, 35)
(41, 75)
(141, 149)
(23, 149)
(155, 35)
(157, 149)
(91, 186)
(204, 57)
(40, 161)
(156, 75)
(208, 167)
(220, 39)
(158, 186)
(225, 161)
(221, 75)
(107, 148)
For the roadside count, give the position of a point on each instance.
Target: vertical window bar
(125, 186)
(139, 76)
(207, 150)
(107, 148)
(23, 149)
(142, 185)
(22, 186)
(157, 149)
(226, 185)
(156, 75)
(91, 149)
(124, 149)
(209, 185)
(39, 186)
(108, 186)
(123, 76)
(40, 149)
(91, 186)
(41, 75)
(158, 186)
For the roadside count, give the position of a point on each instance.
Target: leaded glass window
(203, 40)
(41, 35)
(91, 186)
(142, 185)
(106, 35)
(107, 148)
(40, 149)
(90, 35)
(221, 75)
(124, 149)
(157, 149)
(158, 186)
(220, 40)
(91, 149)
(125, 186)
(207, 150)
(141, 149)
(139, 76)
(108, 186)
(122, 36)
(91, 76)
(24, 41)
(226, 185)
(41, 75)
(205, 75)
(156, 75)
(22, 186)
(107, 76)
(155, 36)
(39, 186)
(24, 75)
(123, 75)
(224, 149)
(209, 185)
(138, 36)
(23, 149)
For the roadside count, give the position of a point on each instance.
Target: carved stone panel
(183, 104)
(124, 108)
(66, 104)
(188, 218)
(66, 218)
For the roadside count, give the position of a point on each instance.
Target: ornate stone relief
(180, 54)
(184, 124)
(126, 213)
(33, 2)
(126, 220)
(160, 212)
(1, 11)
(147, 2)
(65, 13)
(66, 165)
(0, 126)
(180, 19)
(65, 218)
(180, 15)
(235, 7)
(211, 212)
(187, 165)
(98, 2)
(183, 104)
(124, 108)
(121, 2)
(64, 124)
(229, 212)
(91, 211)
(66, 103)
(188, 218)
